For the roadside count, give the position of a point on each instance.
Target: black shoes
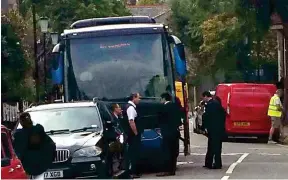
(166, 174)
(135, 176)
(213, 167)
(208, 167)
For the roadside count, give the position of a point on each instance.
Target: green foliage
(149, 2)
(16, 57)
(62, 13)
(17, 37)
(215, 30)
(268, 47)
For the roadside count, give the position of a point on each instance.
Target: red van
(11, 167)
(246, 105)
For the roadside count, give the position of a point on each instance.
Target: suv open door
(11, 167)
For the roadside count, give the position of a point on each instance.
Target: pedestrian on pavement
(133, 135)
(170, 120)
(275, 111)
(34, 147)
(214, 125)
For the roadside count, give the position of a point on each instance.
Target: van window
(5, 148)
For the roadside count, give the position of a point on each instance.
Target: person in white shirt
(134, 138)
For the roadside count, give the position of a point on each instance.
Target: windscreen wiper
(58, 131)
(84, 129)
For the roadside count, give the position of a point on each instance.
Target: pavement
(242, 159)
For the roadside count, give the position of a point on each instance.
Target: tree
(16, 58)
(149, 2)
(62, 13)
(215, 33)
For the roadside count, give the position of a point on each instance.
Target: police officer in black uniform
(214, 124)
(170, 120)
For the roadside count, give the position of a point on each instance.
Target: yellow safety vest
(273, 110)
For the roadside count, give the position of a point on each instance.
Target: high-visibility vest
(273, 110)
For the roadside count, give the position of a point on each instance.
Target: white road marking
(204, 154)
(232, 166)
(182, 163)
(269, 154)
(242, 157)
(264, 148)
(225, 178)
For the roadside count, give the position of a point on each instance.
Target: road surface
(242, 159)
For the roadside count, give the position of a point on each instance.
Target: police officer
(134, 137)
(275, 112)
(170, 121)
(214, 125)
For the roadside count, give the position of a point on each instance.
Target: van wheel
(263, 139)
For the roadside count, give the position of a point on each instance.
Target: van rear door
(249, 104)
(241, 107)
(262, 95)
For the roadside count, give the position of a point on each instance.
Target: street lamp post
(44, 29)
(36, 76)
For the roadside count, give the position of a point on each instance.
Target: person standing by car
(169, 123)
(214, 125)
(275, 112)
(134, 135)
(34, 147)
(117, 117)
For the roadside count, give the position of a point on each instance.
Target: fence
(10, 113)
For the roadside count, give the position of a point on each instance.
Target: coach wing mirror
(180, 61)
(57, 63)
(5, 162)
(179, 55)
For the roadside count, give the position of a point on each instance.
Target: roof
(111, 27)
(60, 105)
(149, 10)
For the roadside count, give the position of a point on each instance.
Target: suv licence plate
(53, 174)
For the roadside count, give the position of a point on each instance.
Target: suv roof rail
(58, 100)
(112, 20)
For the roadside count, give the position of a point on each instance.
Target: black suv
(79, 131)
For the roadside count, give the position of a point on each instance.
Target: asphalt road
(242, 159)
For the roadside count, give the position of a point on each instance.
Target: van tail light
(228, 104)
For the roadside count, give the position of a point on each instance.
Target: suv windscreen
(67, 118)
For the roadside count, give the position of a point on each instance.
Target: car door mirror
(5, 162)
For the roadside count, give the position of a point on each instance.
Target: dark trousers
(214, 151)
(133, 153)
(170, 152)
